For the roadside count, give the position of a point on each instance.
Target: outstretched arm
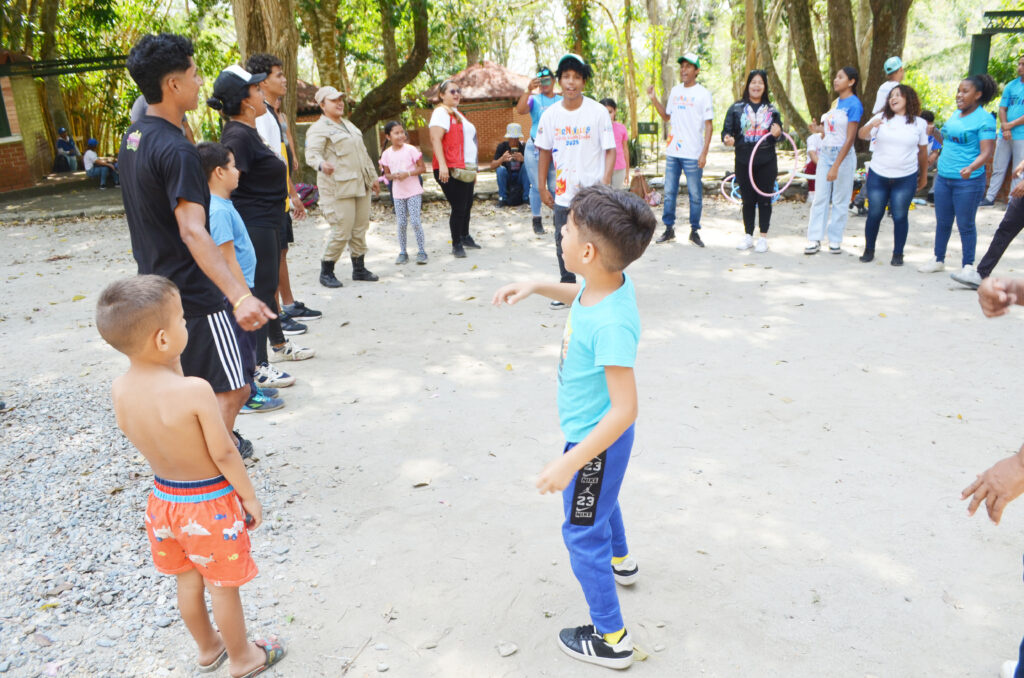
(513, 293)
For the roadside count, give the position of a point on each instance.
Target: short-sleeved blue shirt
(538, 104)
(226, 225)
(1013, 101)
(605, 334)
(961, 144)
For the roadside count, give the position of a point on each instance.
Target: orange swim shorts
(199, 524)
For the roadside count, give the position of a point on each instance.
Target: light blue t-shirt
(595, 336)
(961, 144)
(1013, 102)
(538, 104)
(226, 225)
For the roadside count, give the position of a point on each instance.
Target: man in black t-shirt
(513, 181)
(166, 201)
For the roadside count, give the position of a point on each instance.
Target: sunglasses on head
(546, 80)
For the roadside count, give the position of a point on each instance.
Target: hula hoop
(731, 195)
(728, 196)
(796, 164)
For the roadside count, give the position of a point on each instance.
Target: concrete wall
(33, 125)
(15, 172)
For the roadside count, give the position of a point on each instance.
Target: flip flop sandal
(214, 665)
(275, 653)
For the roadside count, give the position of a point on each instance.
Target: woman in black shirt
(259, 198)
(748, 121)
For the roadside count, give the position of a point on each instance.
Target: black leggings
(765, 175)
(460, 198)
(1009, 228)
(267, 244)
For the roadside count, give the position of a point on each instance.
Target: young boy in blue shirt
(232, 239)
(606, 230)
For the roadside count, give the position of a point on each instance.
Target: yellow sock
(613, 638)
(618, 559)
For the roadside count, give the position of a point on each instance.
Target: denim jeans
(503, 176)
(560, 218)
(674, 167)
(1008, 155)
(897, 194)
(101, 171)
(1009, 228)
(957, 198)
(531, 158)
(831, 194)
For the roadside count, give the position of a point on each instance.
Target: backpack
(309, 194)
(514, 193)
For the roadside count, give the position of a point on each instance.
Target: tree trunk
(577, 37)
(842, 36)
(534, 38)
(30, 21)
(627, 32)
(791, 117)
(749, 41)
(328, 46)
(252, 38)
(385, 100)
(802, 34)
(737, 53)
(48, 50)
(387, 33)
(889, 33)
(864, 33)
(12, 25)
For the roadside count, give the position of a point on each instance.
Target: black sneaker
(244, 446)
(585, 644)
(290, 326)
(467, 241)
(502, 203)
(897, 260)
(668, 236)
(458, 251)
(695, 238)
(300, 311)
(867, 256)
(557, 306)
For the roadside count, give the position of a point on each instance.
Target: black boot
(538, 226)
(359, 271)
(327, 278)
(869, 254)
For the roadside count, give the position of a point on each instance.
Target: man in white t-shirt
(689, 112)
(576, 135)
(894, 75)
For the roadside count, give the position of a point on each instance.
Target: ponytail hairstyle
(913, 104)
(853, 74)
(229, 104)
(387, 131)
(985, 84)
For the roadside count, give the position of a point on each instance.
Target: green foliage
(938, 97)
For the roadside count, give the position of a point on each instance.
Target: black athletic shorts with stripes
(213, 353)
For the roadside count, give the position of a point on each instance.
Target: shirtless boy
(203, 503)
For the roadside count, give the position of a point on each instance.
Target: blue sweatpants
(593, 530)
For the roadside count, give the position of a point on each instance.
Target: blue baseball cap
(892, 64)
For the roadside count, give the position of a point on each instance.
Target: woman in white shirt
(899, 167)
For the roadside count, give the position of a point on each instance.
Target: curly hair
(913, 104)
(262, 63)
(156, 56)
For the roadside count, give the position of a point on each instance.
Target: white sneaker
(1009, 669)
(290, 351)
(834, 249)
(933, 266)
(268, 376)
(627, 572)
(745, 243)
(967, 277)
(762, 245)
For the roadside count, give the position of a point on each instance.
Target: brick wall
(490, 118)
(12, 110)
(14, 167)
(33, 125)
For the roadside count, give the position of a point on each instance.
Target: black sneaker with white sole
(290, 326)
(299, 311)
(587, 645)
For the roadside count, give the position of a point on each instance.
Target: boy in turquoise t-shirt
(606, 230)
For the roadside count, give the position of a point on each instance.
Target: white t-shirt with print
(440, 118)
(269, 128)
(688, 109)
(577, 140)
(815, 142)
(896, 146)
(89, 159)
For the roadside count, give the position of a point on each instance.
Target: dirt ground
(806, 425)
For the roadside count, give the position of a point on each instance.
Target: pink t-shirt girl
(621, 134)
(403, 160)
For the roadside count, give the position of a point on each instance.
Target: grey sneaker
(985, 202)
(421, 258)
(557, 305)
(403, 258)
